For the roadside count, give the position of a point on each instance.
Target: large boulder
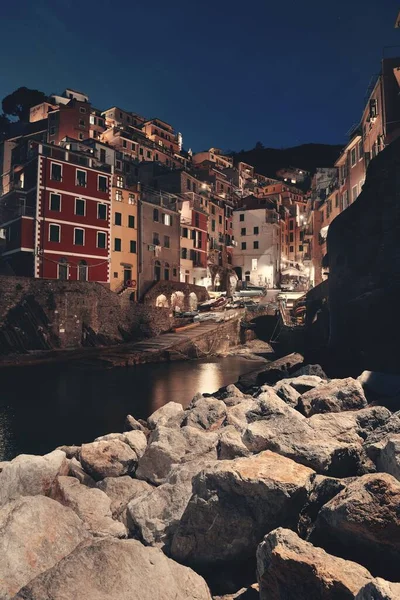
(169, 446)
(376, 440)
(121, 490)
(273, 425)
(108, 458)
(350, 426)
(309, 370)
(29, 475)
(234, 504)
(291, 568)
(304, 383)
(207, 413)
(169, 414)
(154, 515)
(286, 392)
(75, 470)
(279, 369)
(362, 523)
(135, 439)
(379, 589)
(110, 569)
(389, 458)
(320, 491)
(230, 444)
(90, 504)
(132, 423)
(35, 533)
(335, 396)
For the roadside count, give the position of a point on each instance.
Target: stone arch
(161, 301)
(178, 301)
(193, 301)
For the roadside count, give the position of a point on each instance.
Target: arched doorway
(161, 301)
(63, 269)
(157, 270)
(192, 301)
(166, 271)
(83, 271)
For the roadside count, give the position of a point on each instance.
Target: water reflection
(42, 408)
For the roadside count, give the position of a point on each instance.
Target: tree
(4, 127)
(259, 146)
(19, 103)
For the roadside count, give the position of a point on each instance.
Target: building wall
(124, 262)
(70, 120)
(261, 265)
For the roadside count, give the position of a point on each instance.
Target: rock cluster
(287, 488)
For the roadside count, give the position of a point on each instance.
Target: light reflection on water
(42, 408)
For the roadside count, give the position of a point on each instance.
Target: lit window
(118, 196)
(254, 264)
(353, 157)
(91, 119)
(131, 199)
(55, 202)
(101, 239)
(54, 233)
(120, 181)
(167, 219)
(79, 237)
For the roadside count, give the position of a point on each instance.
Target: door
(83, 271)
(127, 276)
(63, 269)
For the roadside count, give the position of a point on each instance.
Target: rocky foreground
(286, 486)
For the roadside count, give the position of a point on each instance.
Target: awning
(324, 232)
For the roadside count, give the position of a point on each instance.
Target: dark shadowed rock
(170, 413)
(389, 458)
(321, 490)
(279, 369)
(336, 396)
(90, 504)
(111, 458)
(29, 475)
(376, 440)
(379, 589)
(121, 490)
(290, 568)
(309, 370)
(362, 522)
(230, 394)
(132, 423)
(70, 451)
(35, 533)
(170, 446)
(234, 504)
(207, 413)
(380, 384)
(110, 569)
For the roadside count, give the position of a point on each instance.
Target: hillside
(307, 156)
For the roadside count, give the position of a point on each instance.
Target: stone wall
(168, 288)
(37, 314)
(364, 266)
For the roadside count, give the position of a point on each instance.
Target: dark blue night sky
(225, 74)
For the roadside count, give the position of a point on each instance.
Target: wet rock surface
(287, 473)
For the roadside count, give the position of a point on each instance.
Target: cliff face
(364, 266)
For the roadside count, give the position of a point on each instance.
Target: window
(254, 262)
(118, 196)
(102, 212)
(102, 183)
(157, 270)
(83, 271)
(117, 244)
(184, 253)
(133, 147)
(132, 246)
(301, 248)
(63, 269)
(80, 207)
(184, 232)
(220, 219)
(255, 245)
(131, 199)
(156, 239)
(81, 178)
(81, 136)
(79, 237)
(124, 143)
(373, 108)
(141, 151)
(174, 272)
(255, 231)
(118, 218)
(353, 157)
(336, 200)
(166, 241)
(120, 181)
(52, 132)
(55, 202)
(360, 150)
(92, 120)
(166, 219)
(166, 271)
(81, 122)
(213, 210)
(54, 233)
(291, 225)
(56, 172)
(188, 184)
(291, 249)
(243, 245)
(101, 239)
(131, 221)
(82, 110)
(213, 225)
(155, 214)
(148, 154)
(291, 237)
(345, 199)
(243, 231)
(354, 193)
(241, 217)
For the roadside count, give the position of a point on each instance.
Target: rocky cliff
(284, 486)
(364, 270)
